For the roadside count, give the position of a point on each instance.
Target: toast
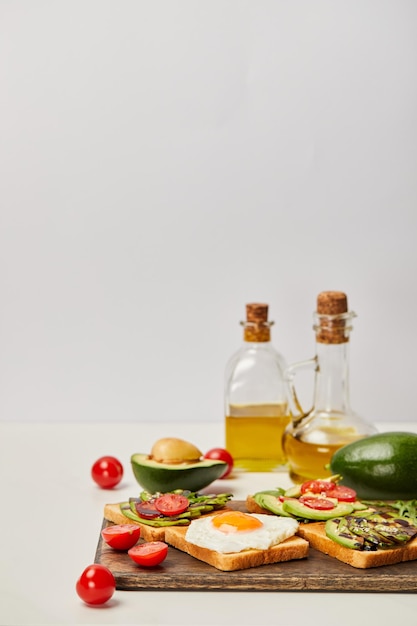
(315, 534)
(288, 550)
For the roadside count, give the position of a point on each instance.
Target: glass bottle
(311, 438)
(256, 397)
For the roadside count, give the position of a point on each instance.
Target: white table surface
(51, 516)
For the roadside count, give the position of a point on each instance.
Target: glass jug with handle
(312, 437)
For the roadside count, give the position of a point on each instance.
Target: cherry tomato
(320, 504)
(220, 454)
(149, 554)
(107, 472)
(342, 493)
(121, 536)
(96, 584)
(317, 486)
(147, 509)
(171, 504)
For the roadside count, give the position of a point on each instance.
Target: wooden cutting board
(318, 572)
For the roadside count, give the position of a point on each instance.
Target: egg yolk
(234, 521)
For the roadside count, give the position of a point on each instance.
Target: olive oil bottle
(256, 397)
(311, 439)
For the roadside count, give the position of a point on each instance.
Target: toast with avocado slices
(363, 534)
(316, 536)
(228, 545)
(176, 508)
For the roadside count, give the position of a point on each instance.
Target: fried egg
(233, 531)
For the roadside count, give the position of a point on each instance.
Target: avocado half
(163, 477)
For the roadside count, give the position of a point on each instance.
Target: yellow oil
(254, 436)
(308, 460)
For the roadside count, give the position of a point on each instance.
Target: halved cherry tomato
(107, 472)
(321, 504)
(342, 493)
(317, 486)
(96, 584)
(171, 504)
(220, 454)
(121, 536)
(147, 509)
(149, 554)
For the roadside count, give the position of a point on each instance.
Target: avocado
(337, 530)
(293, 492)
(359, 506)
(272, 492)
(271, 503)
(155, 476)
(298, 509)
(379, 467)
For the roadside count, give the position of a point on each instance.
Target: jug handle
(297, 412)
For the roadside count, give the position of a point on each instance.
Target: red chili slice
(320, 504)
(171, 504)
(147, 509)
(342, 493)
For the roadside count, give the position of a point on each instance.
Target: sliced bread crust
(288, 550)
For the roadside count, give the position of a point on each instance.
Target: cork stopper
(257, 312)
(257, 327)
(333, 319)
(332, 303)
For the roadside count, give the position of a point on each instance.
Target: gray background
(163, 163)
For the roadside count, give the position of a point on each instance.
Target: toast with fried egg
(227, 540)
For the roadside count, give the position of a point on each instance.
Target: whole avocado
(379, 467)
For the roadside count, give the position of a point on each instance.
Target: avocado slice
(359, 506)
(293, 492)
(164, 477)
(271, 492)
(298, 509)
(271, 503)
(337, 529)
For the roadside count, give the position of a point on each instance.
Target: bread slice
(112, 513)
(288, 550)
(315, 534)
